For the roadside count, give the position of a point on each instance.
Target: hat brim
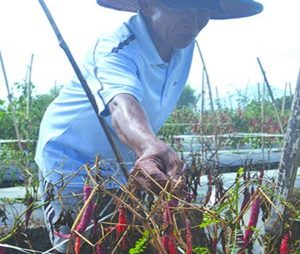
(228, 9)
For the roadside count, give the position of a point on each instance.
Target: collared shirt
(125, 61)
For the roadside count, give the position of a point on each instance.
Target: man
(136, 75)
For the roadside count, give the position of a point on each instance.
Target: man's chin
(182, 45)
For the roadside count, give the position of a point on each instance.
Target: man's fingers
(149, 180)
(152, 175)
(178, 170)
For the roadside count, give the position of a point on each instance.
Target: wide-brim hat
(219, 9)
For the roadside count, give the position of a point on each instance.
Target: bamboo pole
(10, 100)
(288, 167)
(271, 94)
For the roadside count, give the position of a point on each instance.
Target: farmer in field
(136, 75)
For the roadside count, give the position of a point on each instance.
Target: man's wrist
(148, 145)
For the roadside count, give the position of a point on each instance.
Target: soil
(34, 238)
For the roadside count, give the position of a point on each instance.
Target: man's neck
(164, 50)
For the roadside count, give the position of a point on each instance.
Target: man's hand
(155, 159)
(156, 166)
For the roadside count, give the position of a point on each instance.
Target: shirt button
(175, 83)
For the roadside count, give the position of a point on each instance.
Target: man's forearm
(131, 123)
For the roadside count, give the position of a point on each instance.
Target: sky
(230, 47)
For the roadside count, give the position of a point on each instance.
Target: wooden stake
(271, 95)
(28, 91)
(201, 116)
(263, 122)
(10, 100)
(208, 83)
(28, 84)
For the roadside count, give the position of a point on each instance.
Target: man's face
(177, 27)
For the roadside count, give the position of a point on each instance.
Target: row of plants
(187, 118)
(174, 221)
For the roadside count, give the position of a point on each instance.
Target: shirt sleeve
(110, 74)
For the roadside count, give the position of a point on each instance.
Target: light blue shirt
(125, 61)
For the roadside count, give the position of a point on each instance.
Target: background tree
(188, 98)
(28, 124)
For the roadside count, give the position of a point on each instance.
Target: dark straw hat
(220, 9)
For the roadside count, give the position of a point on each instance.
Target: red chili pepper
(285, 244)
(87, 214)
(61, 235)
(246, 198)
(168, 239)
(172, 245)
(122, 226)
(253, 221)
(95, 218)
(29, 203)
(165, 241)
(77, 245)
(2, 250)
(254, 214)
(214, 243)
(188, 237)
(86, 217)
(247, 195)
(209, 190)
(100, 249)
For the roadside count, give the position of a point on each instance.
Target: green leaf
(140, 244)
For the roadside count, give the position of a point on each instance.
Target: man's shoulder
(116, 39)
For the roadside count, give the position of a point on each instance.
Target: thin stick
(201, 115)
(283, 100)
(258, 92)
(86, 88)
(10, 99)
(218, 99)
(263, 122)
(28, 82)
(290, 87)
(208, 83)
(271, 95)
(216, 173)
